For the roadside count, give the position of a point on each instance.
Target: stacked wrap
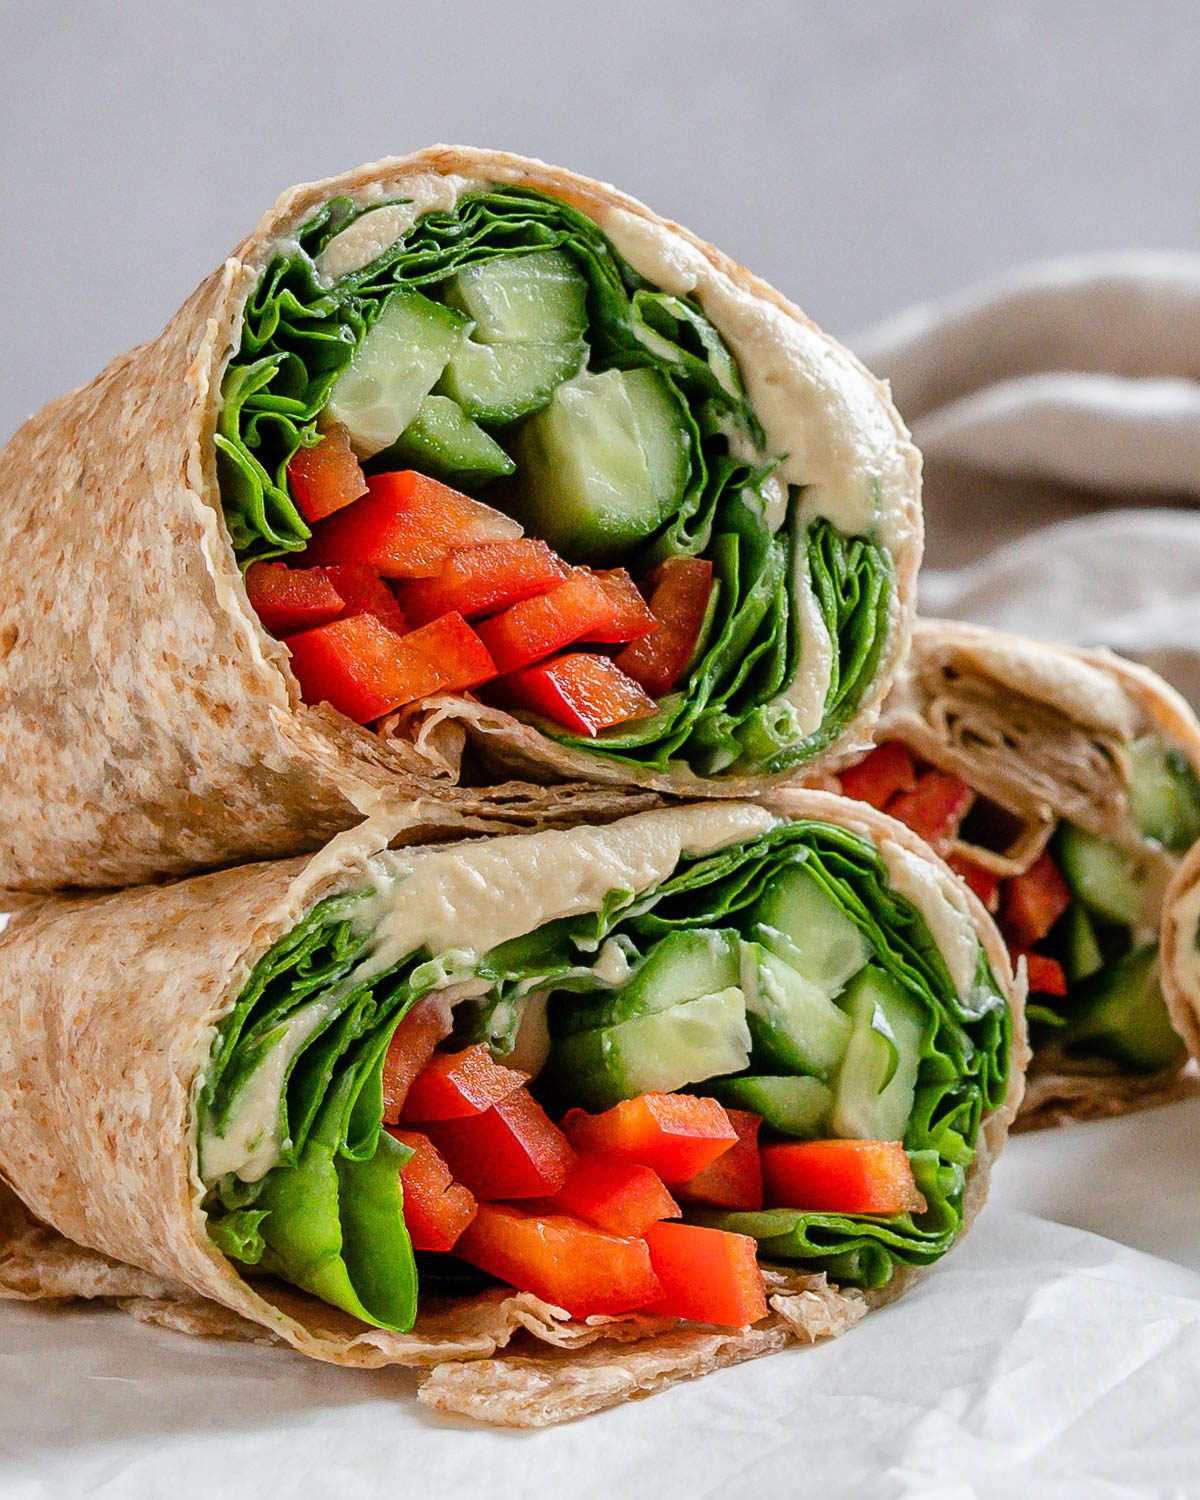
(158, 727)
(1043, 731)
(123, 993)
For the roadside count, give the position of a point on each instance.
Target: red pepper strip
(734, 1180)
(411, 1047)
(934, 808)
(985, 883)
(580, 1269)
(581, 692)
(512, 1150)
(842, 1177)
(365, 593)
(631, 616)
(289, 599)
(877, 778)
(584, 607)
(708, 1275)
(366, 670)
(1046, 976)
(407, 526)
(481, 580)
(456, 1084)
(619, 1197)
(679, 591)
(436, 1208)
(677, 1135)
(1033, 902)
(325, 478)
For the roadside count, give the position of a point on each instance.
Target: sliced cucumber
(540, 298)
(873, 1094)
(1109, 881)
(802, 925)
(1081, 953)
(680, 966)
(443, 441)
(604, 465)
(1123, 1015)
(663, 1051)
(792, 1106)
(497, 383)
(396, 366)
(1164, 794)
(795, 1026)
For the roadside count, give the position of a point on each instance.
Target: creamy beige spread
(941, 905)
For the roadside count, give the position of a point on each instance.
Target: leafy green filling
(329, 1216)
(300, 334)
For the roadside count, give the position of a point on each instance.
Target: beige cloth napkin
(1058, 407)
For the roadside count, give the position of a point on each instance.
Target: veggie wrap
(656, 1096)
(458, 443)
(1062, 785)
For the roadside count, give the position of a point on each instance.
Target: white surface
(1038, 1361)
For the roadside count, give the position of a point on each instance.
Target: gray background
(858, 155)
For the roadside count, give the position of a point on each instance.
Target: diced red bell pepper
(677, 1135)
(326, 477)
(985, 883)
(366, 670)
(842, 1177)
(365, 593)
(436, 1208)
(584, 607)
(512, 1150)
(289, 599)
(1046, 976)
(935, 807)
(707, 1275)
(426, 1024)
(575, 1267)
(407, 526)
(583, 693)
(679, 591)
(632, 618)
(734, 1180)
(456, 1084)
(481, 580)
(878, 777)
(619, 1197)
(1033, 902)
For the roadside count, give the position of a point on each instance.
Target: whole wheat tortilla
(111, 1002)
(1038, 728)
(157, 728)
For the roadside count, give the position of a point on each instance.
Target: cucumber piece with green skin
(661, 1052)
(1164, 794)
(792, 1106)
(1122, 1015)
(794, 1025)
(539, 298)
(681, 966)
(1081, 955)
(1108, 880)
(876, 1084)
(498, 383)
(394, 369)
(604, 464)
(798, 922)
(443, 441)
